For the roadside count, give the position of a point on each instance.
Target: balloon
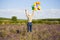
(32, 7)
(37, 2)
(39, 8)
(35, 9)
(36, 6)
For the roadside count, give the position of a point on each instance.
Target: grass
(3, 33)
(40, 32)
(43, 29)
(21, 21)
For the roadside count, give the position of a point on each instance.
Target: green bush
(14, 18)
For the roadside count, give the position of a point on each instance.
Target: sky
(49, 8)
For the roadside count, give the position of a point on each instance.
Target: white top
(29, 16)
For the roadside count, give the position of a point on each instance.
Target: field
(42, 29)
(40, 32)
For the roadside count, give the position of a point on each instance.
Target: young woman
(29, 18)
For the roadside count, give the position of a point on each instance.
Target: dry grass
(40, 32)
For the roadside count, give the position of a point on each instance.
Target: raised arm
(26, 12)
(33, 13)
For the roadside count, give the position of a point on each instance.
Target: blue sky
(49, 8)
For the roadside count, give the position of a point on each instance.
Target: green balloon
(32, 7)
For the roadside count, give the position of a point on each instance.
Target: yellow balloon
(35, 9)
(39, 8)
(34, 4)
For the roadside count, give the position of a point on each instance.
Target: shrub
(14, 18)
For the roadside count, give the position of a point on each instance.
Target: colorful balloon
(37, 2)
(36, 6)
(39, 8)
(32, 7)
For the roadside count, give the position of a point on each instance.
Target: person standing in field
(29, 18)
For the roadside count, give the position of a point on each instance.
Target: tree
(14, 18)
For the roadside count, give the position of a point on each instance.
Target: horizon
(33, 18)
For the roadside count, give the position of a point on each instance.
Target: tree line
(14, 20)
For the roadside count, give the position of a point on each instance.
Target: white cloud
(11, 10)
(48, 13)
(51, 10)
